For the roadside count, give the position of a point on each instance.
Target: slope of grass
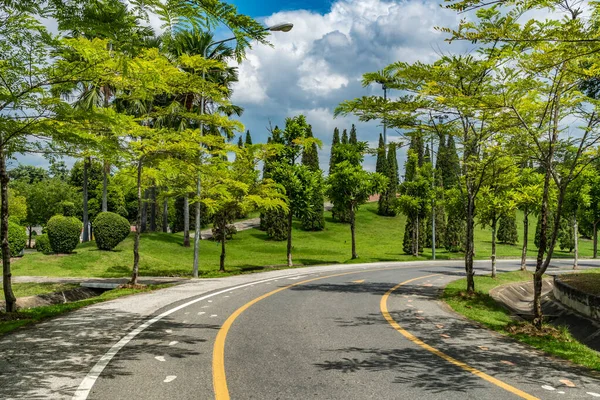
(480, 307)
(378, 239)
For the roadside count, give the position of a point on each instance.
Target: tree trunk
(494, 223)
(223, 239)
(289, 238)
(153, 209)
(595, 237)
(469, 245)
(576, 252)
(138, 228)
(525, 233)
(9, 297)
(86, 232)
(144, 223)
(353, 232)
(537, 277)
(105, 186)
(186, 221)
(165, 224)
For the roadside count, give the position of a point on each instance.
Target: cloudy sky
(319, 64)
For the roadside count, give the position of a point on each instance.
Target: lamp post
(440, 118)
(284, 27)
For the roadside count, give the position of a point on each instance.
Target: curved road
(353, 333)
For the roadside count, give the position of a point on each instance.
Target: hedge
(63, 233)
(110, 229)
(42, 244)
(17, 238)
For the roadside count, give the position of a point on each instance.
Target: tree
(381, 167)
(295, 178)
(496, 197)
(248, 141)
(28, 173)
(350, 185)
(353, 139)
(312, 215)
(507, 229)
(240, 143)
(234, 189)
(454, 239)
(274, 222)
(528, 196)
(334, 143)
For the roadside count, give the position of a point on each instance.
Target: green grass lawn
(481, 308)
(34, 289)
(378, 239)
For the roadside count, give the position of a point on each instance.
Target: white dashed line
(210, 301)
(213, 315)
(593, 394)
(160, 358)
(201, 312)
(205, 306)
(169, 378)
(168, 331)
(225, 296)
(187, 313)
(548, 387)
(173, 343)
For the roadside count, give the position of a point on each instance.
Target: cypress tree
(451, 168)
(310, 155)
(312, 217)
(248, 138)
(345, 139)
(381, 167)
(440, 227)
(411, 169)
(240, 142)
(334, 143)
(507, 229)
(455, 234)
(353, 138)
(392, 174)
(566, 235)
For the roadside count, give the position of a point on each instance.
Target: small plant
(64, 233)
(42, 244)
(17, 238)
(110, 229)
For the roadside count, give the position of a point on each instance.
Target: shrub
(42, 244)
(110, 229)
(63, 233)
(17, 238)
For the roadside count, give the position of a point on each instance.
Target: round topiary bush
(110, 229)
(63, 233)
(17, 238)
(42, 244)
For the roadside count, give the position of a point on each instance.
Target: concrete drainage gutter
(517, 298)
(583, 303)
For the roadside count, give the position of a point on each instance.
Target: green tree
(334, 143)
(312, 215)
(507, 229)
(381, 167)
(350, 185)
(274, 222)
(295, 178)
(28, 173)
(528, 196)
(248, 141)
(353, 139)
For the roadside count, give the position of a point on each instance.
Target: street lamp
(384, 87)
(440, 119)
(283, 27)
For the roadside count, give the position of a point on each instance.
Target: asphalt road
(343, 334)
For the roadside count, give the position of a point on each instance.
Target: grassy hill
(378, 239)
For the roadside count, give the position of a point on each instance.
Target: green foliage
(248, 141)
(566, 235)
(538, 229)
(388, 203)
(110, 229)
(17, 238)
(276, 224)
(440, 227)
(332, 155)
(63, 233)
(454, 239)
(42, 244)
(28, 174)
(507, 229)
(67, 208)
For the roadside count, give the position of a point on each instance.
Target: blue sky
(255, 8)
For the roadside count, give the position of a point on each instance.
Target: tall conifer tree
(312, 217)
(345, 139)
(335, 142)
(353, 139)
(248, 138)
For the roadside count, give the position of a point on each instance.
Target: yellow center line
(419, 342)
(218, 364)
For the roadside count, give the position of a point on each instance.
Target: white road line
(169, 378)
(173, 343)
(213, 315)
(168, 331)
(593, 394)
(160, 358)
(201, 312)
(548, 387)
(83, 391)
